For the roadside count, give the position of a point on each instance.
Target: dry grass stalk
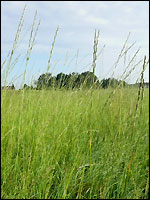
(51, 52)
(15, 44)
(96, 38)
(139, 96)
(31, 43)
(133, 68)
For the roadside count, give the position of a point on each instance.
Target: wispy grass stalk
(96, 38)
(51, 51)
(5, 60)
(140, 94)
(15, 44)
(142, 82)
(31, 43)
(128, 65)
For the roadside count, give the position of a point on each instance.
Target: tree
(87, 79)
(26, 87)
(61, 80)
(13, 87)
(43, 81)
(74, 80)
(112, 82)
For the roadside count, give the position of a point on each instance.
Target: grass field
(74, 144)
(69, 144)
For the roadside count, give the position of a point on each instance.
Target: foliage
(12, 87)
(105, 83)
(75, 80)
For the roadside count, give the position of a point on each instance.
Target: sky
(73, 49)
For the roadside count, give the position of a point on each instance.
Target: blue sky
(77, 21)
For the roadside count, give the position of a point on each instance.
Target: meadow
(62, 144)
(74, 144)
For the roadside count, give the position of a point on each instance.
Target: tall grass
(47, 154)
(75, 144)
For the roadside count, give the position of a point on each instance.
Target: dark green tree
(44, 81)
(75, 81)
(26, 87)
(87, 80)
(13, 87)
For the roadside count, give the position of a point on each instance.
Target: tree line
(74, 81)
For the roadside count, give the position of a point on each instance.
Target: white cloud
(95, 20)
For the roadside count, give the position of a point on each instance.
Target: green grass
(74, 144)
(56, 144)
